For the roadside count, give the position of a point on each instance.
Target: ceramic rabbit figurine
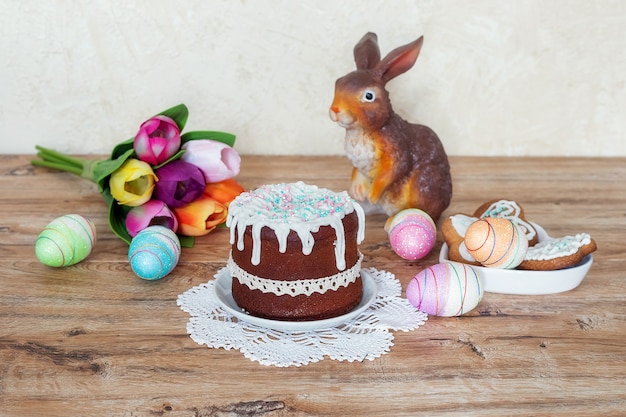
(397, 165)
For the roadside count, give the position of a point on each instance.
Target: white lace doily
(366, 336)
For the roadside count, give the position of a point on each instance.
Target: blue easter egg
(154, 252)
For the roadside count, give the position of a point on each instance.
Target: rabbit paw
(358, 192)
(360, 187)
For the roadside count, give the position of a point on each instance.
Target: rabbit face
(360, 102)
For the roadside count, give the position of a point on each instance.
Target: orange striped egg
(496, 243)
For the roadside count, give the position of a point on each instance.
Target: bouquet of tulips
(162, 177)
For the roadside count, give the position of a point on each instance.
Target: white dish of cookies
(525, 282)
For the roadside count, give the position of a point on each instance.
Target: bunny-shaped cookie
(397, 165)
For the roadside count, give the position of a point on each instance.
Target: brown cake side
(294, 265)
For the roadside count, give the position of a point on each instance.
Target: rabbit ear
(366, 52)
(399, 60)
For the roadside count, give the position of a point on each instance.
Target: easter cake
(294, 252)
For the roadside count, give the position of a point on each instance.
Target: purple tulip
(217, 160)
(152, 213)
(179, 183)
(157, 140)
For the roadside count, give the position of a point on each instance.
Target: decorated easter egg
(412, 234)
(154, 252)
(65, 241)
(496, 242)
(446, 289)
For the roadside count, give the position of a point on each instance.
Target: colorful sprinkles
(294, 202)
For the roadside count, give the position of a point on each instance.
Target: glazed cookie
(511, 210)
(453, 227)
(558, 253)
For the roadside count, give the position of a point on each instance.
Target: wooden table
(95, 340)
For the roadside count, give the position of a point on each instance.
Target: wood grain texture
(94, 340)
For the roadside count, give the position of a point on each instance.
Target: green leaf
(122, 147)
(117, 217)
(174, 157)
(179, 114)
(186, 241)
(107, 197)
(224, 137)
(103, 169)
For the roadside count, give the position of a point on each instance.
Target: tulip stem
(57, 165)
(54, 156)
(56, 160)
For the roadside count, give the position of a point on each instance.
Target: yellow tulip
(132, 183)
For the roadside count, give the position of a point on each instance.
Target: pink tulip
(217, 160)
(158, 139)
(152, 213)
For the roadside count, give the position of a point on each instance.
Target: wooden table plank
(93, 339)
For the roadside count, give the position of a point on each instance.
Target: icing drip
(297, 287)
(299, 207)
(556, 248)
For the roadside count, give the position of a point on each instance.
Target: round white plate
(223, 291)
(522, 282)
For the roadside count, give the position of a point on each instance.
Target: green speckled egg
(65, 241)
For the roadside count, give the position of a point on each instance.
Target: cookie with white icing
(453, 227)
(511, 210)
(558, 253)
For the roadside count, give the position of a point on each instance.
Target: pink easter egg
(412, 234)
(496, 243)
(446, 289)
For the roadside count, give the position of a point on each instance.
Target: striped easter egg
(154, 252)
(496, 243)
(65, 241)
(446, 289)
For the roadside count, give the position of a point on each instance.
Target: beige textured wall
(528, 77)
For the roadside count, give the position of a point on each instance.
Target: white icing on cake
(557, 248)
(297, 206)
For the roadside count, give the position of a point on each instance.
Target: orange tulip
(224, 191)
(200, 216)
